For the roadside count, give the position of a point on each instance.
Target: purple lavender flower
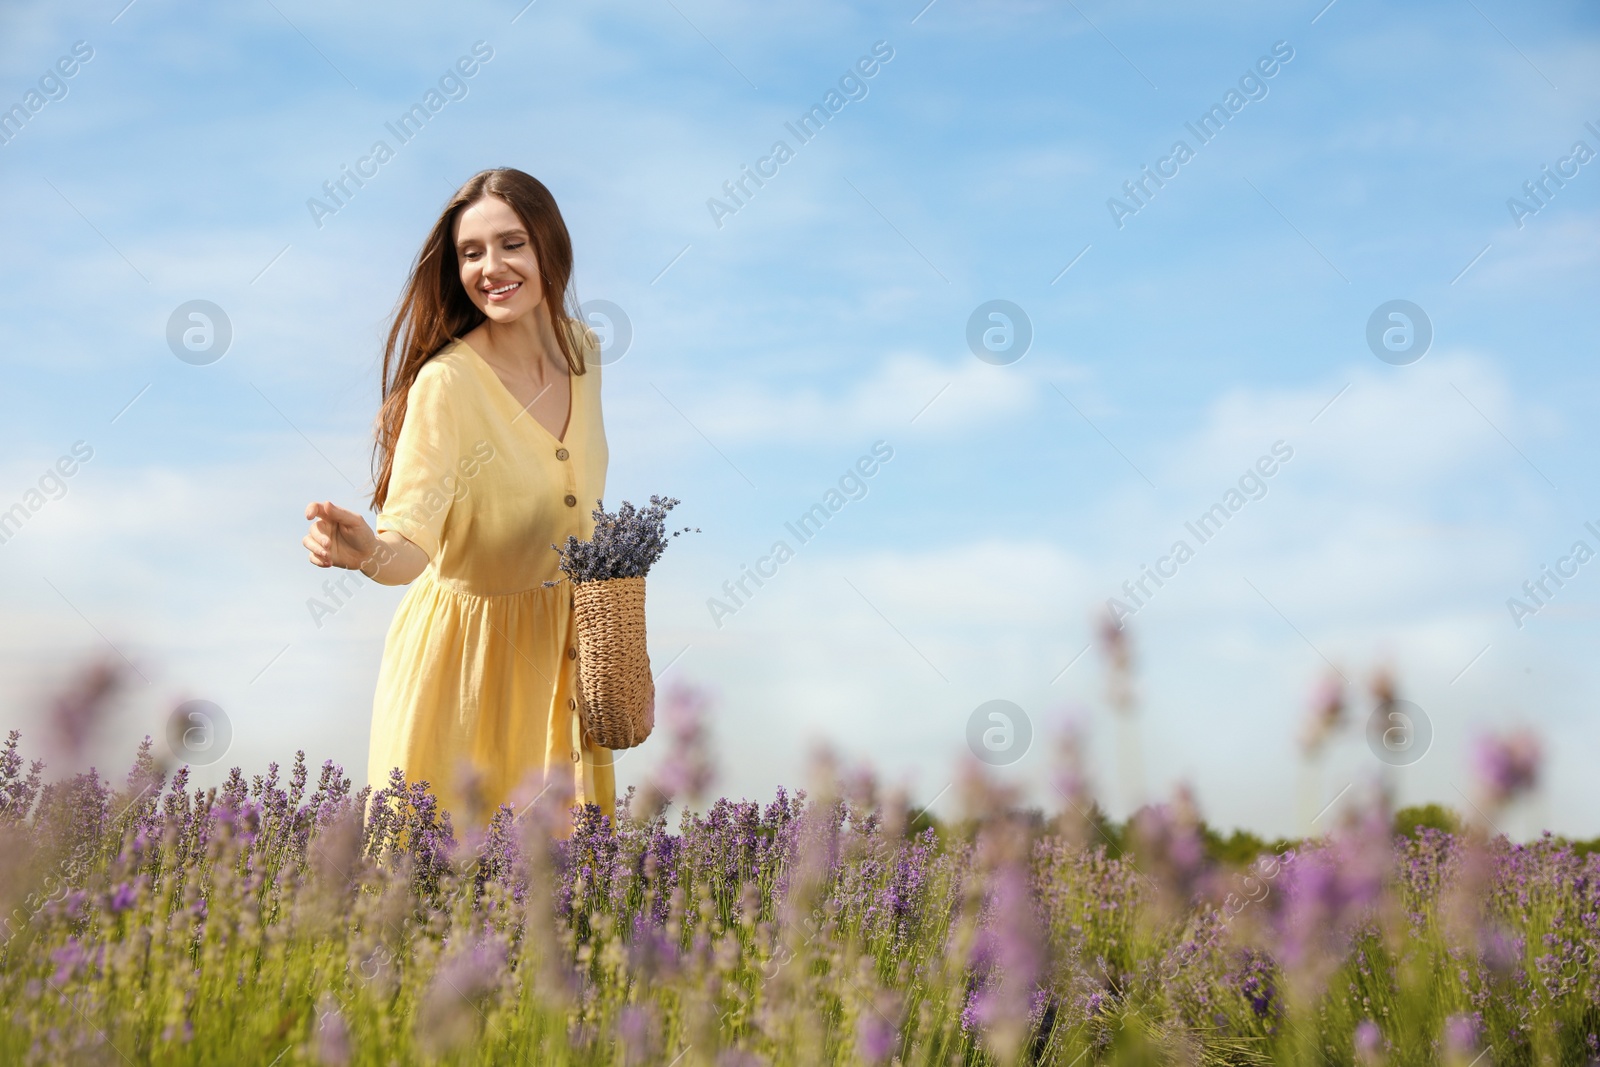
(74, 906)
(1166, 839)
(876, 1036)
(1327, 892)
(1461, 1036)
(1118, 653)
(332, 1046)
(463, 985)
(1071, 778)
(17, 793)
(69, 959)
(623, 545)
(1507, 765)
(1008, 955)
(122, 898)
(1368, 1043)
(635, 1028)
(687, 768)
(1254, 980)
(1325, 716)
(78, 712)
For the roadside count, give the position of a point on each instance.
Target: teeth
(504, 288)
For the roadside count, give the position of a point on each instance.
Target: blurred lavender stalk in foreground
(687, 768)
(1323, 719)
(79, 712)
(1117, 652)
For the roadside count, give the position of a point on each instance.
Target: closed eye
(510, 246)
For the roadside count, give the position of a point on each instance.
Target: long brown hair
(435, 308)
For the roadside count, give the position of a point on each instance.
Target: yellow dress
(477, 693)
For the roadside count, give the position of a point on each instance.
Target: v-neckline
(521, 411)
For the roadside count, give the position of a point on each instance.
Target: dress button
(575, 757)
(572, 653)
(562, 453)
(572, 703)
(572, 501)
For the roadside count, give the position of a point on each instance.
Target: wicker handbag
(616, 693)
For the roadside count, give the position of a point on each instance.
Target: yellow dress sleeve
(422, 482)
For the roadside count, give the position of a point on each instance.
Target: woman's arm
(341, 538)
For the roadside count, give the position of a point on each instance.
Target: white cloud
(940, 396)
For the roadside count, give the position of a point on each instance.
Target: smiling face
(498, 267)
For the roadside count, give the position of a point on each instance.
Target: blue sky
(1229, 313)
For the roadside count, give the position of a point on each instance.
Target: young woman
(489, 449)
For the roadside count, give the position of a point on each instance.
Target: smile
(503, 292)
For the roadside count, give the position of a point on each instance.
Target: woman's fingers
(339, 516)
(331, 512)
(335, 531)
(317, 549)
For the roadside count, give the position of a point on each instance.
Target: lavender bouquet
(624, 545)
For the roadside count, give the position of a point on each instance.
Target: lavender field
(287, 919)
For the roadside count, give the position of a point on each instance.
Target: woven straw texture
(616, 694)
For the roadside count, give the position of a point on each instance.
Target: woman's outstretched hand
(338, 537)
(341, 538)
